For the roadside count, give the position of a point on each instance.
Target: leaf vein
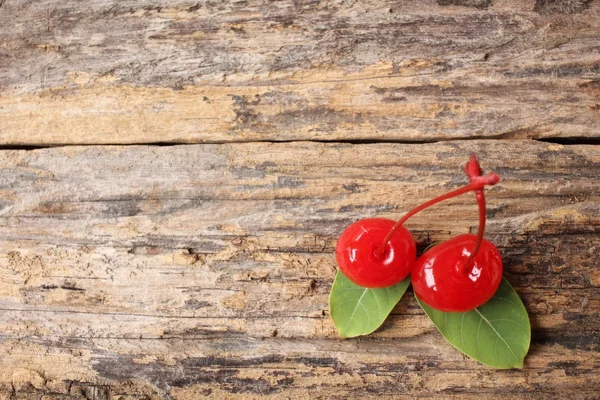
(497, 333)
(478, 330)
(509, 320)
(343, 302)
(508, 301)
(355, 308)
(378, 307)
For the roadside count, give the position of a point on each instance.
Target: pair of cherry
(454, 276)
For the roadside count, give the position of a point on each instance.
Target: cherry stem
(446, 196)
(466, 269)
(477, 184)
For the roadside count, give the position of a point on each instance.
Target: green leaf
(496, 334)
(356, 310)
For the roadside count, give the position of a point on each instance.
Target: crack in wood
(566, 141)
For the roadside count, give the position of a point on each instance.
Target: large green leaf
(356, 310)
(496, 334)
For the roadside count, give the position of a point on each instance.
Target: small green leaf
(356, 310)
(496, 334)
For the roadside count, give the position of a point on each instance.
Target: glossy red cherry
(464, 272)
(441, 279)
(359, 259)
(376, 253)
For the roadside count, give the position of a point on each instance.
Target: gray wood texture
(147, 272)
(106, 72)
(134, 269)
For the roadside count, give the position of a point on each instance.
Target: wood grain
(148, 272)
(106, 72)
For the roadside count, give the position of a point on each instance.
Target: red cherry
(371, 253)
(358, 258)
(441, 279)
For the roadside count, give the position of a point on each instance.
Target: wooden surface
(205, 269)
(105, 72)
(133, 270)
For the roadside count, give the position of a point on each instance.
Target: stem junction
(476, 184)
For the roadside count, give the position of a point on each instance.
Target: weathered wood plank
(306, 369)
(106, 72)
(186, 271)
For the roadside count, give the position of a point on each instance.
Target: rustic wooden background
(184, 247)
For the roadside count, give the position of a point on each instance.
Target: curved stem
(477, 184)
(481, 202)
(446, 196)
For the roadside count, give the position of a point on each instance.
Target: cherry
(464, 272)
(358, 257)
(376, 253)
(440, 280)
